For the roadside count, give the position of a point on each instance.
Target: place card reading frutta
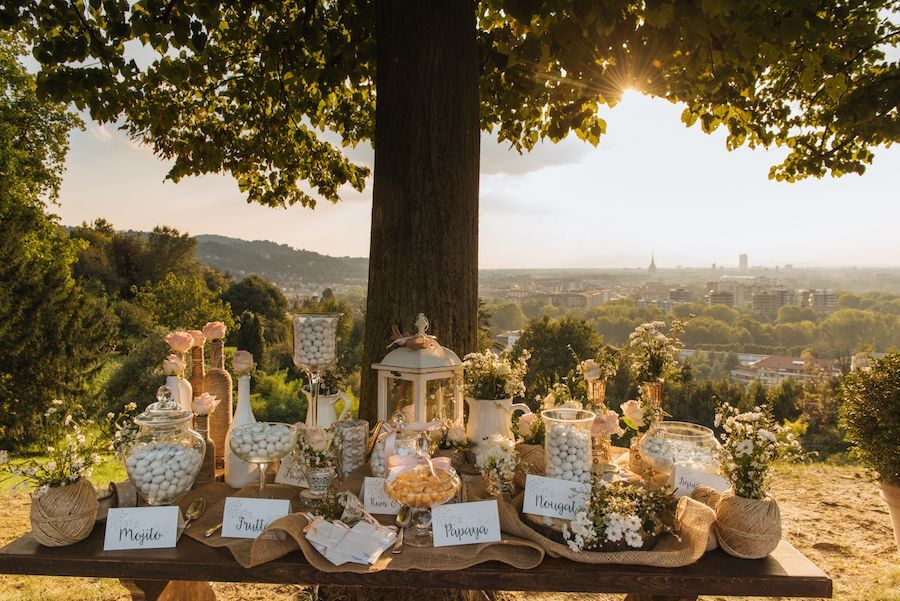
(554, 498)
(141, 528)
(376, 498)
(465, 523)
(247, 518)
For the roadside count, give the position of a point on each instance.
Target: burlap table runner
(514, 551)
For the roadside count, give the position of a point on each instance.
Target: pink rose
(199, 338)
(180, 341)
(214, 330)
(204, 404)
(317, 439)
(242, 362)
(526, 421)
(606, 425)
(633, 412)
(173, 365)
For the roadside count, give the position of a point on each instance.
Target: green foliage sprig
(653, 353)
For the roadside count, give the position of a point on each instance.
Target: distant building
(769, 301)
(774, 369)
(742, 261)
(679, 295)
(716, 297)
(820, 301)
(651, 271)
(507, 340)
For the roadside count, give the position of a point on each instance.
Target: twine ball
(708, 496)
(748, 528)
(64, 515)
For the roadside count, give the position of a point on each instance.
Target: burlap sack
(693, 521)
(515, 552)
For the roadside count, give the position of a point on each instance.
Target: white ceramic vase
(240, 473)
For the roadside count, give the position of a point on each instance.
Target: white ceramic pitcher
(327, 413)
(487, 417)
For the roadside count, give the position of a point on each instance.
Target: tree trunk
(424, 249)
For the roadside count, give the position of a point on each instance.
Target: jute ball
(64, 515)
(748, 528)
(708, 496)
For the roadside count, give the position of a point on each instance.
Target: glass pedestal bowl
(671, 442)
(421, 490)
(262, 443)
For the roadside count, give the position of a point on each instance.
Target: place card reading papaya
(554, 498)
(141, 528)
(465, 523)
(247, 518)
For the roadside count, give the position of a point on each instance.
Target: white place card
(247, 518)
(685, 480)
(465, 523)
(376, 499)
(141, 528)
(555, 498)
(291, 471)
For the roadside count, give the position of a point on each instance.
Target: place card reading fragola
(141, 528)
(465, 523)
(686, 479)
(555, 498)
(376, 499)
(247, 518)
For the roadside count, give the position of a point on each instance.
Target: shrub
(870, 416)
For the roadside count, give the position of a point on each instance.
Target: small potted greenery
(870, 416)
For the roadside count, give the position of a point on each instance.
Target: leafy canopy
(270, 91)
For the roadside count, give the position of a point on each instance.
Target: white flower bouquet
(652, 352)
(317, 447)
(497, 461)
(751, 441)
(619, 516)
(453, 436)
(490, 376)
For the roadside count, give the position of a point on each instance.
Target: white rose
(242, 362)
(633, 411)
(456, 433)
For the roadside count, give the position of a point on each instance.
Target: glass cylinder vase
(567, 443)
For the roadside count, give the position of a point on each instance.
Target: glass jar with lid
(671, 442)
(166, 455)
(393, 439)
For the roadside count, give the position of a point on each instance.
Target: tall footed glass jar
(166, 455)
(567, 443)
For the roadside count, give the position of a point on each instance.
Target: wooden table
(172, 573)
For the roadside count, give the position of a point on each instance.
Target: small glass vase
(319, 480)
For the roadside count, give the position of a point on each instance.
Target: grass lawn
(831, 513)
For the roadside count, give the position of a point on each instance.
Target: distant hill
(286, 266)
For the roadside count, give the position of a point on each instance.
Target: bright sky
(651, 185)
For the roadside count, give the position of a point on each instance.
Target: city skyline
(651, 187)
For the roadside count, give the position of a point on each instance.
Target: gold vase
(596, 392)
(653, 392)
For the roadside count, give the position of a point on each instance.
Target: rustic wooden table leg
(169, 590)
(636, 597)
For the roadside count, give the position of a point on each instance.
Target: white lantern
(420, 379)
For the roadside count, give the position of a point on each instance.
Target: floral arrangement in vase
(497, 460)
(652, 352)
(641, 413)
(620, 515)
(317, 447)
(602, 367)
(751, 442)
(492, 376)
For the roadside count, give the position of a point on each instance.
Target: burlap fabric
(516, 552)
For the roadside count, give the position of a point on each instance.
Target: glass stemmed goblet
(315, 349)
(262, 443)
(421, 489)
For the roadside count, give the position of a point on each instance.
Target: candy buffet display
(567, 443)
(166, 454)
(262, 443)
(692, 445)
(352, 440)
(426, 484)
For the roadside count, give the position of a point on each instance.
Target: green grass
(109, 470)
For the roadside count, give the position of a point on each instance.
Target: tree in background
(51, 332)
(508, 317)
(244, 87)
(556, 346)
(249, 336)
(183, 302)
(266, 301)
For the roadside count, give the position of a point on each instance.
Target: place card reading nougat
(247, 518)
(554, 498)
(465, 523)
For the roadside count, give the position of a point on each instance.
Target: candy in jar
(567, 444)
(352, 439)
(404, 442)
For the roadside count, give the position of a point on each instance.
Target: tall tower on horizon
(742, 261)
(652, 269)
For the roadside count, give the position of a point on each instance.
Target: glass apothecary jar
(567, 443)
(166, 455)
(692, 445)
(392, 440)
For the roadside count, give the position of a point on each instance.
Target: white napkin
(339, 544)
